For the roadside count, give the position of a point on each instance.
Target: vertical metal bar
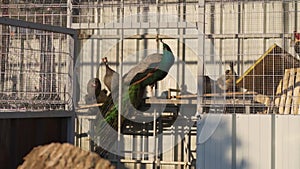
(212, 30)
(221, 32)
(285, 24)
(76, 75)
(265, 24)
(239, 40)
(201, 54)
(156, 158)
(120, 82)
(5, 45)
(183, 43)
(296, 16)
(75, 88)
(21, 85)
(53, 72)
(69, 12)
(154, 137)
(48, 54)
(59, 68)
(42, 61)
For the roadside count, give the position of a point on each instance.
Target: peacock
(150, 70)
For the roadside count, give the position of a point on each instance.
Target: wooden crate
(265, 74)
(287, 99)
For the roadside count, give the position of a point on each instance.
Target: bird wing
(143, 69)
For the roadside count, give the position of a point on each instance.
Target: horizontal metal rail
(38, 26)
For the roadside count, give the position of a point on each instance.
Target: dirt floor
(63, 156)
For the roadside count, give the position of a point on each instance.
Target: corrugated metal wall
(248, 141)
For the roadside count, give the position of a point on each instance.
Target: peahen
(110, 77)
(94, 92)
(227, 82)
(150, 70)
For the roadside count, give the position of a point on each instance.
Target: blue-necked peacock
(150, 70)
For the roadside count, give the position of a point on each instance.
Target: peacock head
(166, 47)
(95, 82)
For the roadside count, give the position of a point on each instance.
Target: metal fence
(36, 66)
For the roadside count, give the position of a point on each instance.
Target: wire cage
(257, 41)
(125, 32)
(36, 59)
(231, 56)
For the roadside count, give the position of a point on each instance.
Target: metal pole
(285, 26)
(5, 46)
(120, 83)
(296, 16)
(21, 85)
(201, 54)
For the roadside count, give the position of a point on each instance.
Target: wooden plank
(289, 96)
(284, 90)
(89, 106)
(296, 98)
(278, 96)
(226, 102)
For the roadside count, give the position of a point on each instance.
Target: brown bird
(93, 90)
(227, 81)
(111, 77)
(102, 97)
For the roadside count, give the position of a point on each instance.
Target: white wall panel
(252, 148)
(253, 138)
(287, 142)
(216, 151)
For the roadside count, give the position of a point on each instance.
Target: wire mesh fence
(36, 68)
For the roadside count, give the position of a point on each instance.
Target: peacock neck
(167, 60)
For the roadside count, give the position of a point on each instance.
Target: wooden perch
(89, 106)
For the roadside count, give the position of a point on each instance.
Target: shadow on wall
(216, 148)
